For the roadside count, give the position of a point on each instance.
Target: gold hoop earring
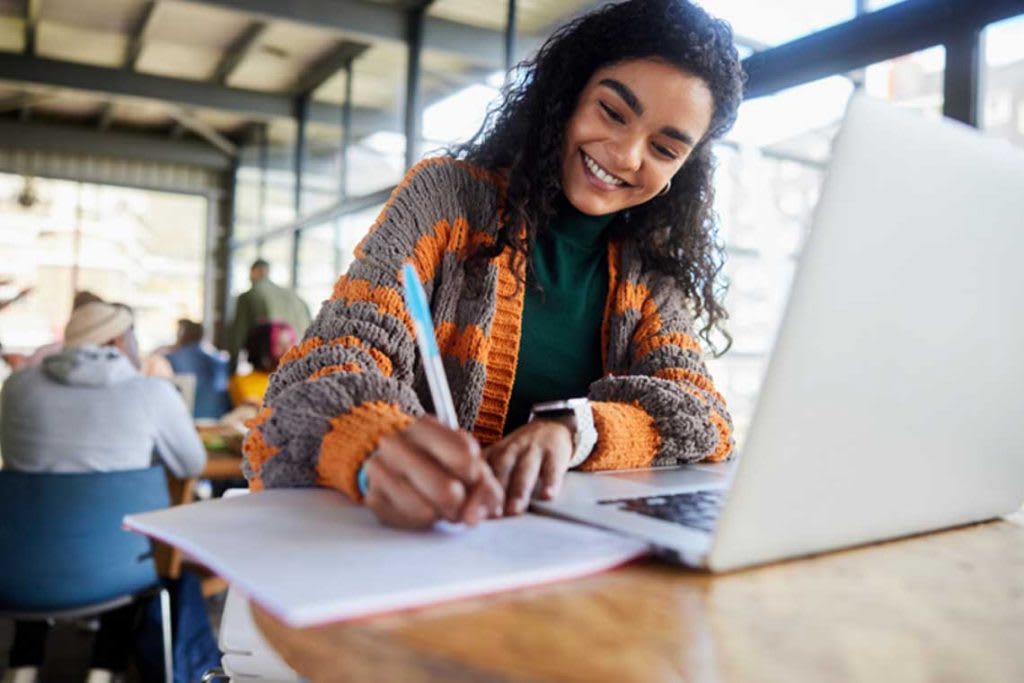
(664, 190)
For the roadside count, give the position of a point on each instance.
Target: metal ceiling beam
(901, 29)
(31, 23)
(322, 71)
(138, 39)
(106, 116)
(48, 137)
(238, 51)
(123, 83)
(374, 21)
(205, 131)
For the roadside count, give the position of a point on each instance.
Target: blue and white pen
(419, 311)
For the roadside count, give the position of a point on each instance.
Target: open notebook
(310, 556)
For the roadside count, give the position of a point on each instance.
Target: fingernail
(520, 504)
(481, 512)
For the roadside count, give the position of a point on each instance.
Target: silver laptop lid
(894, 400)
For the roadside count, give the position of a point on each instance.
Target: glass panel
(278, 253)
(377, 152)
(317, 264)
(773, 22)
(1002, 93)
(768, 180)
(241, 261)
(143, 248)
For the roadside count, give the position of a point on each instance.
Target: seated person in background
(265, 346)
(88, 409)
(191, 356)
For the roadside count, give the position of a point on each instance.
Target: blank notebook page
(311, 556)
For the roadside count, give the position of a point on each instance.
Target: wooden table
(943, 607)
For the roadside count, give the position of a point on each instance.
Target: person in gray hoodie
(89, 409)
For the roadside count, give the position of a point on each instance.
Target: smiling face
(635, 124)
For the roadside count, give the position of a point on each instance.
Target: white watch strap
(584, 434)
(585, 437)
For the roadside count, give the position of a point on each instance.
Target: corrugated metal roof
(276, 45)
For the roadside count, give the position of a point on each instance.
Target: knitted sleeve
(350, 380)
(664, 410)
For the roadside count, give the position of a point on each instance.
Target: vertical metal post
(301, 114)
(210, 263)
(76, 245)
(962, 78)
(264, 169)
(346, 145)
(510, 36)
(224, 259)
(413, 105)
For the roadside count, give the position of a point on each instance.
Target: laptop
(893, 403)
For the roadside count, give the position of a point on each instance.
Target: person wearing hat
(89, 409)
(92, 395)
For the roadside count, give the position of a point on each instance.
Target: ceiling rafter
(325, 68)
(138, 40)
(239, 50)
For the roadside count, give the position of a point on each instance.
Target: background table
(943, 607)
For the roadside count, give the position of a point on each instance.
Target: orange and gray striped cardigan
(356, 375)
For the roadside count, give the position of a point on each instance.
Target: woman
(566, 250)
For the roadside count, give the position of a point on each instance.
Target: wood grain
(943, 607)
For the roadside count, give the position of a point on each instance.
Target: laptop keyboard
(697, 509)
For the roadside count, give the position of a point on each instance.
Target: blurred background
(151, 150)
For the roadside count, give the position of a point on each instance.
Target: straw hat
(96, 323)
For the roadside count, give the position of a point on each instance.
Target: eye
(664, 151)
(614, 115)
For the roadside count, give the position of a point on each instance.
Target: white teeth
(601, 174)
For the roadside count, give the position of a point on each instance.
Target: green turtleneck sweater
(560, 343)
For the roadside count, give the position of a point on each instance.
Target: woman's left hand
(531, 460)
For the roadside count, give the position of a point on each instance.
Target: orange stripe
(683, 341)
(630, 296)
(626, 437)
(301, 350)
(650, 322)
(476, 172)
(444, 237)
(724, 447)
(351, 439)
(379, 357)
(335, 369)
(613, 281)
(465, 344)
(387, 299)
(702, 382)
(308, 346)
(257, 451)
(503, 349)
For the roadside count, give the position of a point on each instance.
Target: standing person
(262, 303)
(192, 356)
(266, 345)
(88, 409)
(568, 251)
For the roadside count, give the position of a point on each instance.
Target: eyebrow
(630, 98)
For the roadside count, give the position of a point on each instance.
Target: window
(769, 176)
(1002, 92)
(139, 247)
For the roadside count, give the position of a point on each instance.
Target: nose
(626, 152)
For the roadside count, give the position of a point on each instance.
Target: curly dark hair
(523, 135)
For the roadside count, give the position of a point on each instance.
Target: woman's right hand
(428, 472)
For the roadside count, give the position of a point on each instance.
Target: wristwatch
(584, 434)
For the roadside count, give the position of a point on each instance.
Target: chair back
(61, 541)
